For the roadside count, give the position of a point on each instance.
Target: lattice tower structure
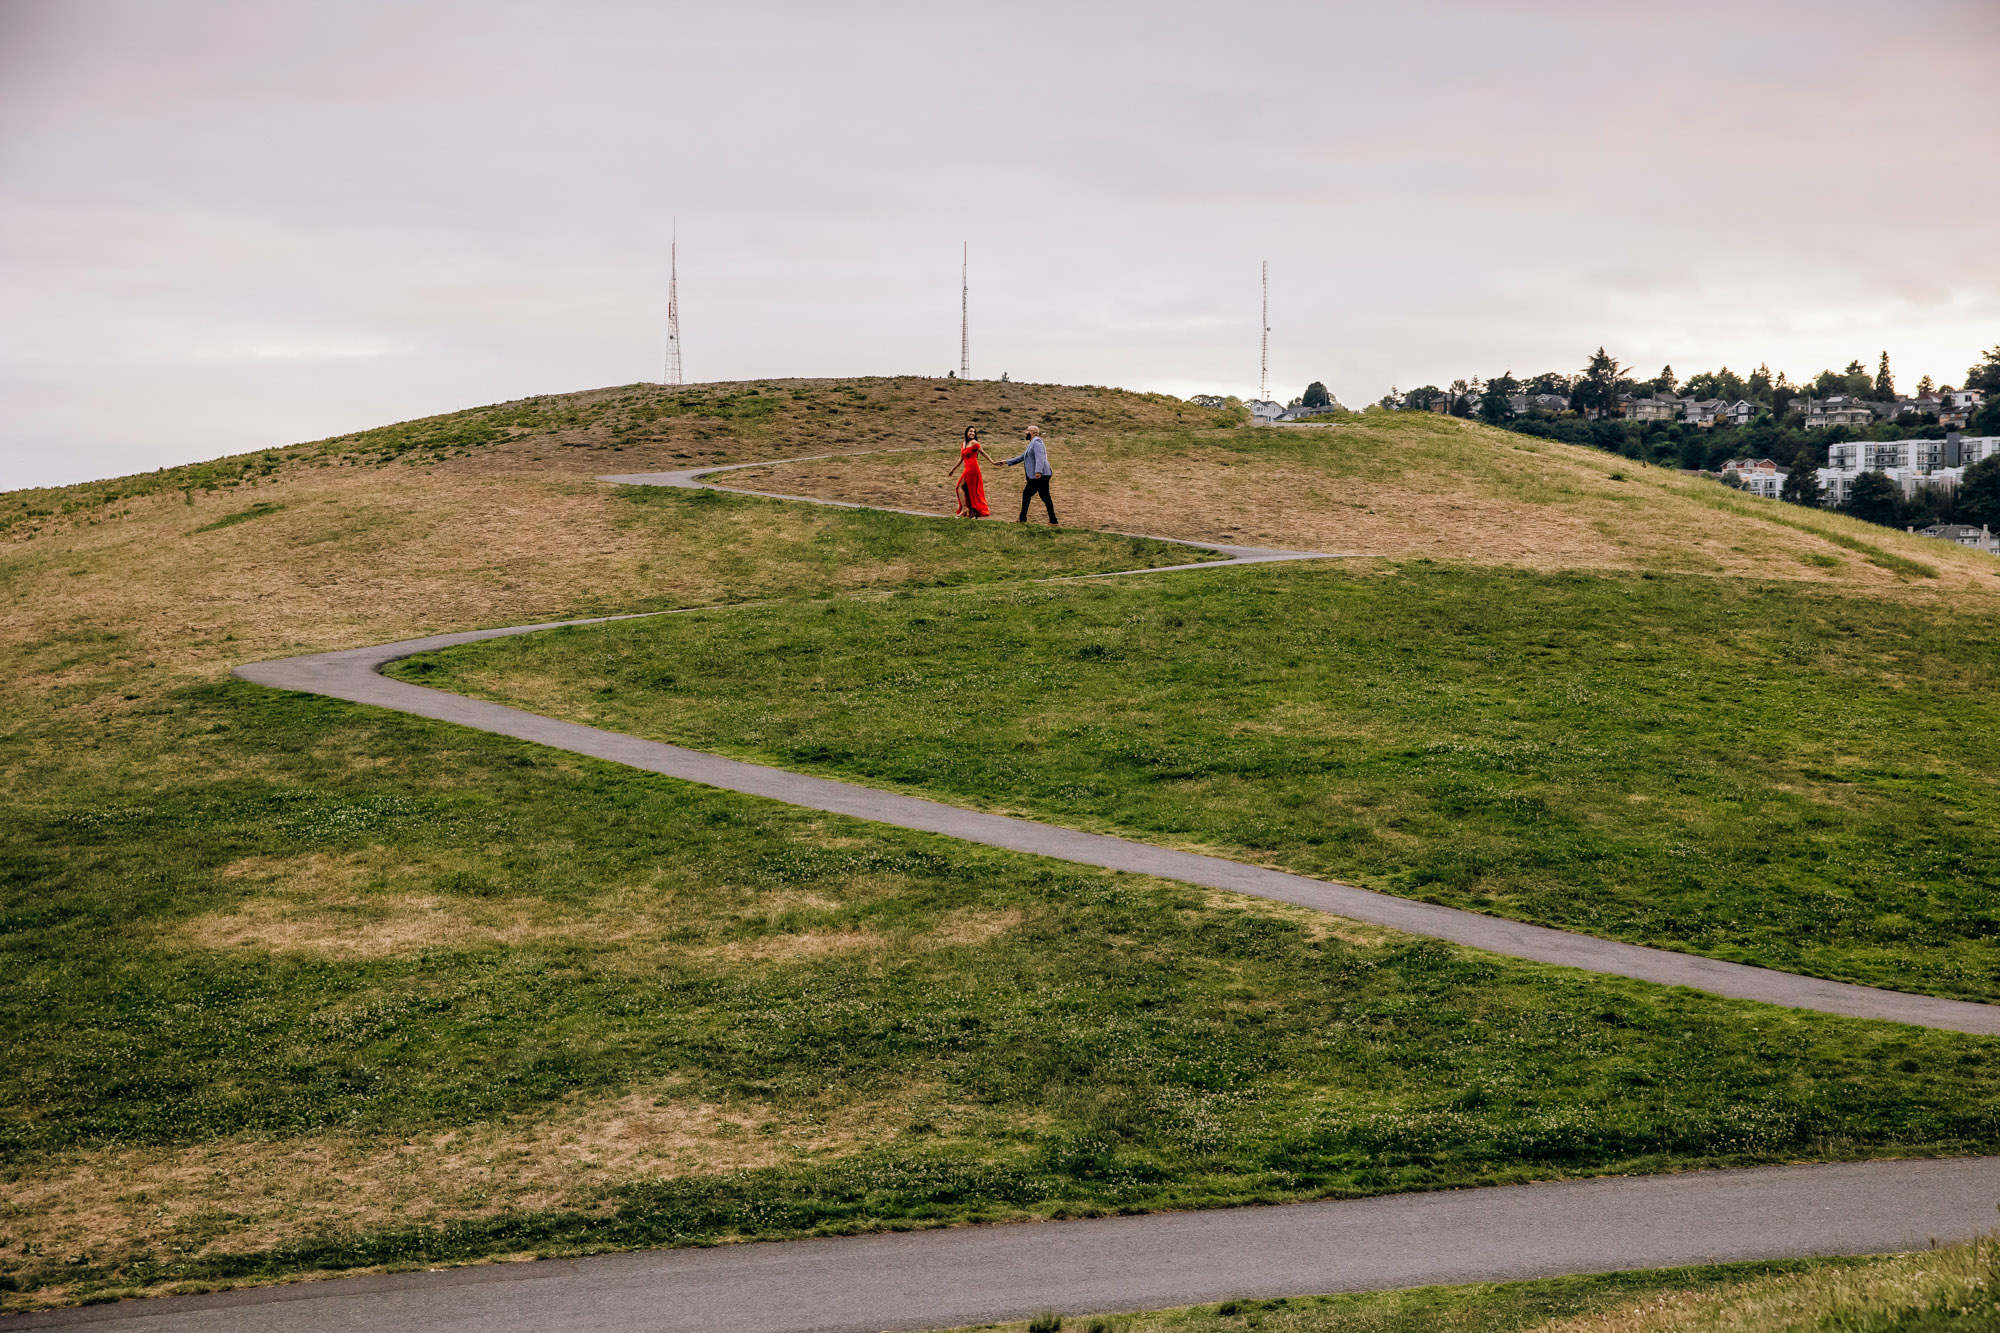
(672, 378)
(1264, 358)
(965, 313)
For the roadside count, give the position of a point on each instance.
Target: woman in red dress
(971, 482)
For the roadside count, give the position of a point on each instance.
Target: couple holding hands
(1034, 460)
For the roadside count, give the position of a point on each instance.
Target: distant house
(1300, 413)
(1263, 412)
(1548, 402)
(1740, 413)
(1758, 476)
(1838, 410)
(1958, 406)
(1703, 411)
(1633, 408)
(1980, 538)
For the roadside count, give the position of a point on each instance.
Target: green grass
(1117, 1044)
(1766, 773)
(1873, 554)
(265, 953)
(240, 516)
(1951, 1290)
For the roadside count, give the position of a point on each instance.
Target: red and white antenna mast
(1264, 362)
(672, 378)
(964, 312)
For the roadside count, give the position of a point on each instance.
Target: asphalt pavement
(966, 1275)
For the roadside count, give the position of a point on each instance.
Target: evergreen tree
(1460, 398)
(1759, 388)
(1979, 493)
(1873, 499)
(1597, 388)
(1316, 395)
(1986, 375)
(1885, 383)
(1925, 388)
(1802, 482)
(1664, 383)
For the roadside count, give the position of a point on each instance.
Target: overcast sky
(228, 225)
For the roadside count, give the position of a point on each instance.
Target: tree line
(1777, 431)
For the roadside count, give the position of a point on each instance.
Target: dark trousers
(1037, 486)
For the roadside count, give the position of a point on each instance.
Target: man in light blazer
(1035, 468)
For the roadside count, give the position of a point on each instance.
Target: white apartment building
(1908, 463)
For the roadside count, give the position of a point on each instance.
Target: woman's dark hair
(972, 432)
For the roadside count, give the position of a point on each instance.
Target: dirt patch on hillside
(247, 1194)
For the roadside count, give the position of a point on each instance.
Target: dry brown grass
(242, 1195)
(103, 611)
(509, 532)
(1955, 1282)
(1412, 487)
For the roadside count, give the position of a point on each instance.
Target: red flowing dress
(971, 488)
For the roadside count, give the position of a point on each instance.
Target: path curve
(355, 675)
(970, 1275)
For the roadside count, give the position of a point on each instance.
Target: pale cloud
(225, 225)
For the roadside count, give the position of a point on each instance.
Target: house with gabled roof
(1635, 408)
(1703, 411)
(1980, 538)
(1758, 476)
(1840, 409)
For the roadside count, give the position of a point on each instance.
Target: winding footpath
(355, 675)
(934, 1279)
(977, 1275)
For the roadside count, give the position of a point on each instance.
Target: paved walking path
(936, 1279)
(980, 1274)
(355, 675)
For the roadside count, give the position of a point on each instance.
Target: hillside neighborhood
(1922, 462)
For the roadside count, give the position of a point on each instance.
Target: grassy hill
(1943, 1290)
(1775, 773)
(299, 986)
(1415, 484)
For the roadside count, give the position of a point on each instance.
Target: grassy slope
(1791, 777)
(1950, 1290)
(304, 986)
(296, 985)
(1414, 484)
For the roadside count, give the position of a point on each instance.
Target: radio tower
(672, 378)
(964, 313)
(1264, 362)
